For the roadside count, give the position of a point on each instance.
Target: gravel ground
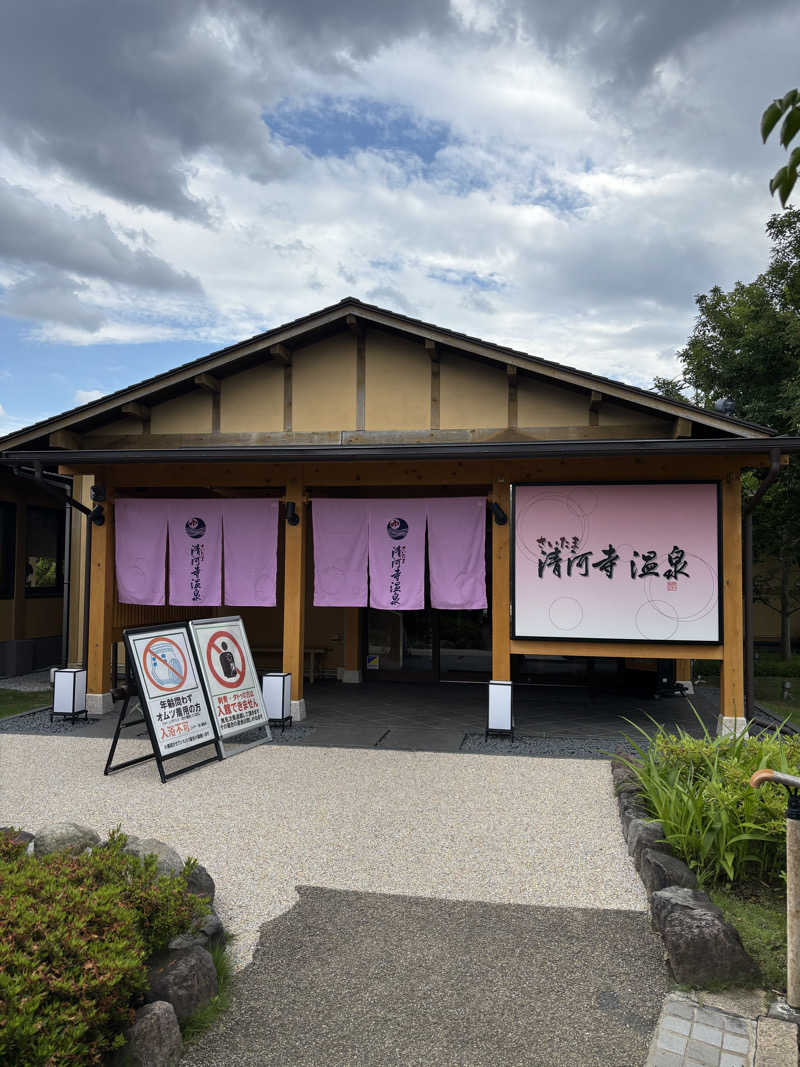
(38, 722)
(456, 826)
(28, 683)
(556, 746)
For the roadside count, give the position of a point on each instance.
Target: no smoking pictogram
(164, 664)
(222, 651)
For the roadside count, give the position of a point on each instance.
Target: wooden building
(355, 400)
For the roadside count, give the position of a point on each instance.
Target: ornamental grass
(698, 788)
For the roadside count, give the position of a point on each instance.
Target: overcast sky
(562, 177)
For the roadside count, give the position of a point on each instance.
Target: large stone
(659, 870)
(678, 898)
(168, 860)
(154, 1040)
(703, 949)
(631, 808)
(187, 979)
(205, 932)
(628, 789)
(211, 926)
(618, 763)
(64, 837)
(643, 834)
(622, 776)
(201, 883)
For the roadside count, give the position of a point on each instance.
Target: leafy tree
(671, 388)
(788, 109)
(745, 346)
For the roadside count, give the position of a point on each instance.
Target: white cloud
(86, 396)
(572, 209)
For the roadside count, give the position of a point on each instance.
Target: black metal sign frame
(134, 675)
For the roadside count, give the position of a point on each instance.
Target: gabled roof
(305, 329)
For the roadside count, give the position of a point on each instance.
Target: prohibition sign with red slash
(179, 678)
(229, 683)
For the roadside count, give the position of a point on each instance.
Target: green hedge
(699, 790)
(75, 932)
(766, 665)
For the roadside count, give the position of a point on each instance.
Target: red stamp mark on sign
(222, 651)
(162, 668)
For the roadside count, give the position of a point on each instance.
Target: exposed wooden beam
(432, 349)
(682, 428)
(361, 380)
(287, 398)
(354, 325)
(513, 415)
(595, 400)
(137, 410)
(207, 382)
(281, 353)
(64, 439)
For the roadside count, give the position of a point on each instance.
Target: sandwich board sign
(175, 706)
(230, 679)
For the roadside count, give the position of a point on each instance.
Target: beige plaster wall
(542, 404)
(190, 413)
(472, 395)
(324, 385)
(252, 401)
(398, 384)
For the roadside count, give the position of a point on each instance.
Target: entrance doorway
(428, 646)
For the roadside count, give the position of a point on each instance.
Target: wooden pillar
(352, 645)
(732, 673)
(501, 585)
(294, 590)
(683, 670)
(101, 601)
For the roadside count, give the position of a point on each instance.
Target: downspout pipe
(747, 576)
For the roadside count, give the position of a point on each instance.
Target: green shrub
(699, 790)
(75, 932)
(770, 665)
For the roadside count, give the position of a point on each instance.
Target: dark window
(8, 548)
(44, 552)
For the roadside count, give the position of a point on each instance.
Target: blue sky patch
(39, 379)
(338, 127)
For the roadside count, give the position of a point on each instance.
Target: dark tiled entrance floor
(436, 717)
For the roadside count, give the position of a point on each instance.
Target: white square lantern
(500, 719)
(69, 693)
(277, 692)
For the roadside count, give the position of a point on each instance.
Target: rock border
(181, 978)
(702, 947)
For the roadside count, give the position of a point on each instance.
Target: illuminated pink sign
(616, 562)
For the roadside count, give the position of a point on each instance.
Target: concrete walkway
(416, 896)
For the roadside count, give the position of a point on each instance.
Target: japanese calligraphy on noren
(624, 562)
(395, 575)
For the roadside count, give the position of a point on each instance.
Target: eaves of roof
(493, 450)
(390, 319)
